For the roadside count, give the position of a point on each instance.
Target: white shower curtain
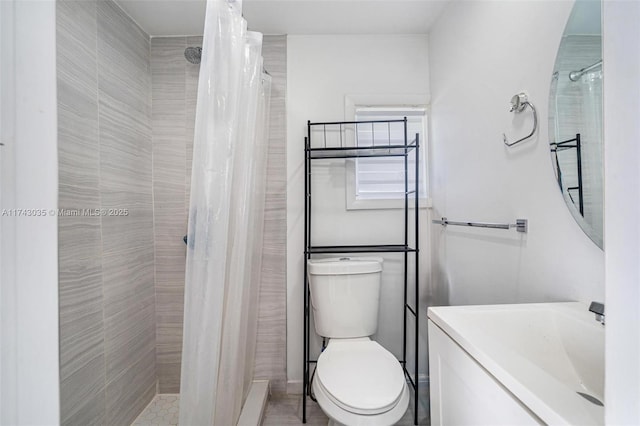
(225, 220)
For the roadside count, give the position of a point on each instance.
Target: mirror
(575, 117)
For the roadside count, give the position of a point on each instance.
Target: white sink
(545, 354)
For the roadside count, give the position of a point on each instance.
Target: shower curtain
(226, 216)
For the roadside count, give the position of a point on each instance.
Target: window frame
(352, 103)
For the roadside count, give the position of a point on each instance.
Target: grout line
(153, 219)
(153, 215)
(102, 298)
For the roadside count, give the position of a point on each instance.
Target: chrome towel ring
(519, 103)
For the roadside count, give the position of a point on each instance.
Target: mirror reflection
(575, 117)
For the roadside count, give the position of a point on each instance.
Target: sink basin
(550, 356)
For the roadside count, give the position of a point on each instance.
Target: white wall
(622, 209)
(321, 71)
(481, 54)
(29, 391)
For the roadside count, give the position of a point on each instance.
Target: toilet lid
(360, 376)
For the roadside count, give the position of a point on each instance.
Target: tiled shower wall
(271, 349)
(106, 262)
(174, 91)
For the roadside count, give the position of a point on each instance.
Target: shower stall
(127, 137)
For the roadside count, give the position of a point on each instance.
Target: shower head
(193, 54)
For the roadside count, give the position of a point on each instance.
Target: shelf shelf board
(358, 152)
(343, 123)
(385, 248)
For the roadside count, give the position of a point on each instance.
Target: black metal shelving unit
(343, 148)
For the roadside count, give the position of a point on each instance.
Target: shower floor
(161, 411)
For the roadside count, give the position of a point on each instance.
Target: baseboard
(255, 405)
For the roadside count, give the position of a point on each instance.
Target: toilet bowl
(358, 382)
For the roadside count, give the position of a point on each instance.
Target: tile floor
(287, 410)
(161, 411)
(281, 411)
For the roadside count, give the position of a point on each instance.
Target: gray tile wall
(174, 92)
(271, 349)
(173, 81)
(106, 263)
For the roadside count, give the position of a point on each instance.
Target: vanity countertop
(545, 354)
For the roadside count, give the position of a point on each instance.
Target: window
(379, 182)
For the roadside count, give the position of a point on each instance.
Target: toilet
(356, 381)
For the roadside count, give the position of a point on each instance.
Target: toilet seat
(360, 376)
(339, 417)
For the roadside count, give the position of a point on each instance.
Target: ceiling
(186, 17)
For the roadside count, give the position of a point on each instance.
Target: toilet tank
(345, 295)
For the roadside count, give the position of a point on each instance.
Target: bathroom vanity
(516, 364)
